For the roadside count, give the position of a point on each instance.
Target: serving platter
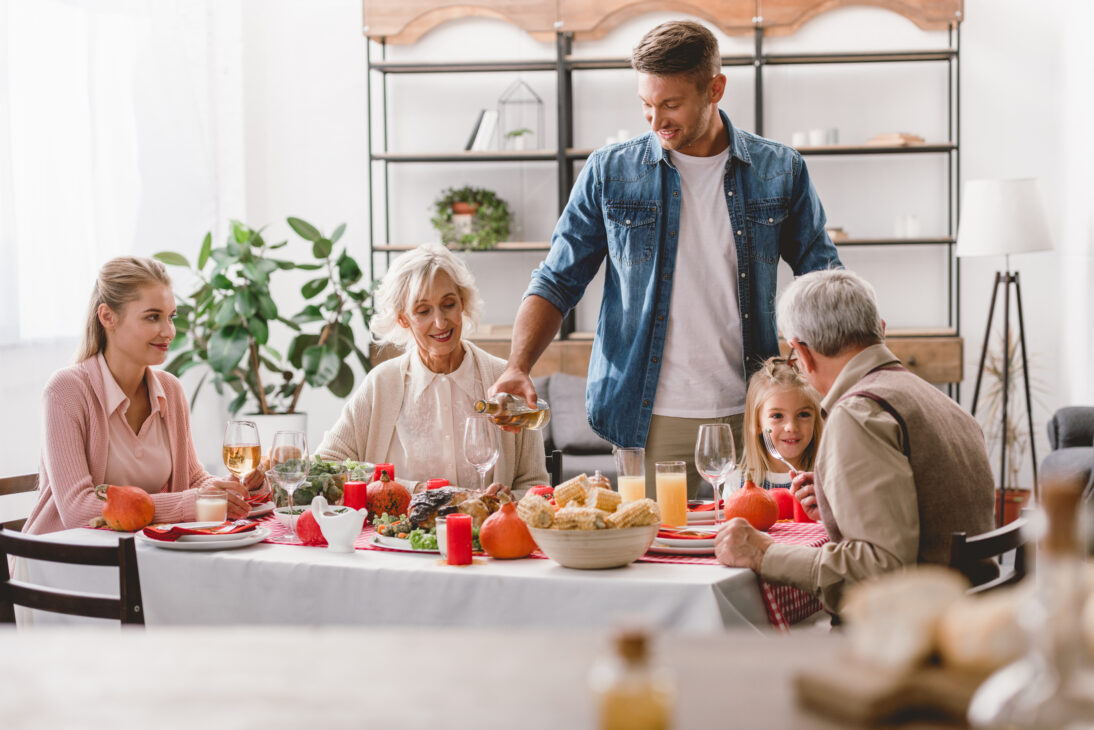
(399, 543)
(657, 547)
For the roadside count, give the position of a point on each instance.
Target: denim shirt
(625, 206)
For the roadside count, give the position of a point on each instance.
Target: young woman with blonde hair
(113, 418)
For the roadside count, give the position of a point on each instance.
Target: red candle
(355, 495)
(799, 513)
(380, 469)
(436, 483)
(458, 537)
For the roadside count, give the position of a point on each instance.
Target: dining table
(290, 584)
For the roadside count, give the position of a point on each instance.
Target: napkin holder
(340, 529)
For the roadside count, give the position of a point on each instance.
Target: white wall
(287, 90)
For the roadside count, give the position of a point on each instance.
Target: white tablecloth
(283, 584)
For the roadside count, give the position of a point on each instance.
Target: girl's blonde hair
(118, 284)
(774, 375)
(406, 280)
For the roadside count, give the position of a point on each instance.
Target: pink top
(76, 443)
(136, 459)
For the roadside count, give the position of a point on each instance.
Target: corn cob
(636, 514)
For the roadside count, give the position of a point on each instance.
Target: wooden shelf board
(878, 149)
(796, 59)
(918, 241)
(467, 156)
(425, 67)
(594, 64)
(501, 246)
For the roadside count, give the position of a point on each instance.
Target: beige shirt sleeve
(871, 496)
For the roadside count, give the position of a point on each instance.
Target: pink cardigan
(74, 440)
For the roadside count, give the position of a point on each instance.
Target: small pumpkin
(307, 529)
(785, 500)
(127, 509)
(755, 505)
(505, 536)
(387, 495)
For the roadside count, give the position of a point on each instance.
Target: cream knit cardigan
(367, 425)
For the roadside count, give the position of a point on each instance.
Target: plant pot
(464, 208)
(1017, 499)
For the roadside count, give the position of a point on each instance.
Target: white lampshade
(1001, 217)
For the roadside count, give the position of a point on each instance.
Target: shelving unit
(783, 16)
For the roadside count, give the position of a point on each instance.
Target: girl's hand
(803, 489)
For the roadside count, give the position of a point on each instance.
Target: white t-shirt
(702, 367)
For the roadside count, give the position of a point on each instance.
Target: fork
(775, 452)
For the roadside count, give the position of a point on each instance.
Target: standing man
(693, 217)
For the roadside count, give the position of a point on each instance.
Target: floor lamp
(1000, 218)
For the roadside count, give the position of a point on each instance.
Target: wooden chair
(126, 607)
(968, 554)
(16, 485)
(554, 466)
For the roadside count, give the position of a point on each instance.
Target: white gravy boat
(339, 529)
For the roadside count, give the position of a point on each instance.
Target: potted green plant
(471, 218)
(516, 139)
(224, 323)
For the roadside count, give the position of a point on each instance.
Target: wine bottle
(505, 409)
(632, 694)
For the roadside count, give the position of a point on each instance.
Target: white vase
(270, 424)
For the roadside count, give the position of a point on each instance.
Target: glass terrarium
(520, 118)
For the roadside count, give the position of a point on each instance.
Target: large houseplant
(225, 322)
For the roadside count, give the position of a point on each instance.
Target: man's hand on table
(802, 487)
(739, 545)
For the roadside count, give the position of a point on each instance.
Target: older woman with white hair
(410, 410)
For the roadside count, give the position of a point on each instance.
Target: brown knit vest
(945, 447)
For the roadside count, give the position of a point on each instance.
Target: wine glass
(480, 446)
(242, 450)
(289, 466)
(715, 457)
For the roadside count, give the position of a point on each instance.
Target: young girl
(781, 402)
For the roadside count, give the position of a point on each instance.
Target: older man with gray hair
(900, 465)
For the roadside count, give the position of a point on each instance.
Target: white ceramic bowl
(594, 549)
(282, 514)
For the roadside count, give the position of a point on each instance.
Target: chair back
(16, 485)
(970, 554)
(127, 607)
(554, 466)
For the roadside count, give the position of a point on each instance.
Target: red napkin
(258, 498)
(683, 534)
(708, 507)
(170, 533)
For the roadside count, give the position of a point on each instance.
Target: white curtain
(105, 147)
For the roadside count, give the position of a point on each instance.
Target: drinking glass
(631, 467)
(715, 458)
(672, 492)
(480, 447)
(289, 466)
(241, 450)
(211, 504)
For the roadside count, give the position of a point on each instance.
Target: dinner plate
(399, 543)
(261, 509)
(657, 547)
(679, 542)
(242, 539)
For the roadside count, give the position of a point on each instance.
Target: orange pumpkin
(387, 495)
(755, 505)
(127, 509)
(505, 536)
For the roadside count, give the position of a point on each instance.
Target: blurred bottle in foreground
(1053, 685)
(512, 410)
(631, 693)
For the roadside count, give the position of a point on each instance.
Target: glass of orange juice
(672, 492)
(631, 465)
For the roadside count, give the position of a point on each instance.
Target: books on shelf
(475, 130)
(896, 139)
(484, 131)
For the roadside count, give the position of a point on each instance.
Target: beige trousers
(673, 439)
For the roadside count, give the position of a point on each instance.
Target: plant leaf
(245, 303)
(309, 267)
(321, 249)
(206, 249)
(259, 329)
(226, 348)
(349, 271)
(240, 232)
(338, 233)
(266, 306)
(321, 363)
(226, 314)
(172, 259)
(238, 402)
(342, 384)
(183, 358)
(297, 347)
(220, 281)
(310, 313)
(313, 287)
(289, 323)
(304, 229)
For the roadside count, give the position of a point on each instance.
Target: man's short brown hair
(678, 47)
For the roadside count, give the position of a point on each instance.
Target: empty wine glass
(480, 445)
(715, 457)
(241, 448)
(289, 466)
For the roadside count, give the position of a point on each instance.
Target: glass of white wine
(289, 467)
(241, 451)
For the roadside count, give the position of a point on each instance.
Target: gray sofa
(1071, 436)
(569, 431)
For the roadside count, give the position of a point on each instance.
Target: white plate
(656, 547)
(679, 542)
(245, 538)
(261, 509)
(399, 543)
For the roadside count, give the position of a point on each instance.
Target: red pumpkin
(387, 495)
(504, 535)
(307, 529)
(127, 509)
(755, 505)
(785, 500)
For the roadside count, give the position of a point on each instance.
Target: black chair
(970, 555)
(15, 485)
(554, 466)
(127, 607)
